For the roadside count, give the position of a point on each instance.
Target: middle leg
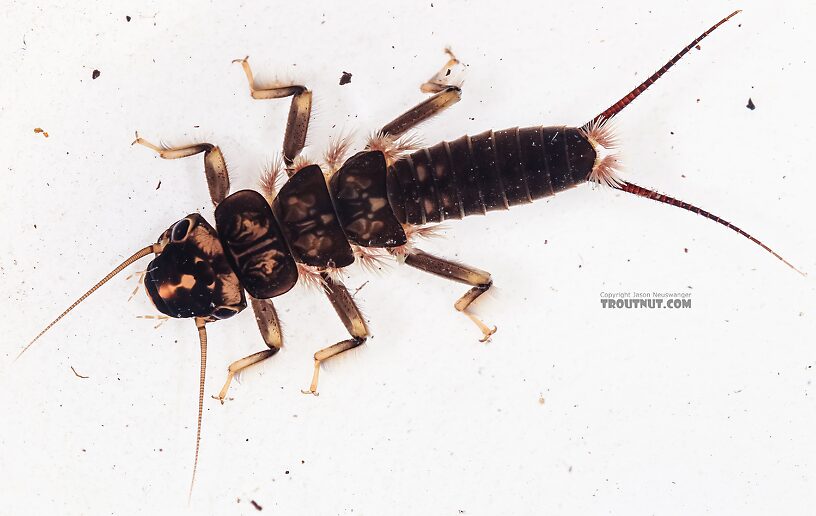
(300, 110)
(352, 319)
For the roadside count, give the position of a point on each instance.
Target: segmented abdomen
(490, 171)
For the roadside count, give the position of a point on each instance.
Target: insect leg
(300, 111)
(215, 168)
(441, 79)
(480, 280)
(269, 325)
(352, 319)
(445, 95)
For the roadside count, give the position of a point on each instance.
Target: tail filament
(634, 189)
(615, 108)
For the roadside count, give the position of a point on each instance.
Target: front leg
(269, 326)
(300, 110)
(352, 319)
(215, 168)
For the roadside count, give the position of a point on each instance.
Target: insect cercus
(366, 208)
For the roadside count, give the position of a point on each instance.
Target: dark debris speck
(128, 18)
(345, 78)
(255, 504)
(750, 104)
(95, 74)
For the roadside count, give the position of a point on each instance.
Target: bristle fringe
(372, 260)
(394, 148)
(336, 274)
(603, 138)
(301, 162)
(309, 277)
(270, 176)
(412, 232)
(336, 153)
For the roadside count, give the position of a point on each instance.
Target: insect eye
(179, 230)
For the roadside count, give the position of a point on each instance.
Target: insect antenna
(202, 338)
(616, 108)
(139, 254)
(634, 189)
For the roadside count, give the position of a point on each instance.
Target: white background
(570, 409)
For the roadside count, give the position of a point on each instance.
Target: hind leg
(445, 95)
(479, 279)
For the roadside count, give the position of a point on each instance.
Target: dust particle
(77, 374)
(127, 18)
(750, 105)
(697, 47)
(345, 78)
(38, 130)
(255, 504)
(540, 399)
(158, 185)
(685, 250)
(95, 74)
